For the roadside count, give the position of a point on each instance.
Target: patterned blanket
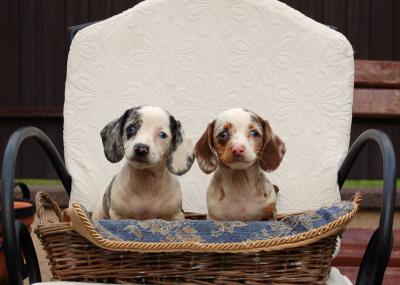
(207, 231)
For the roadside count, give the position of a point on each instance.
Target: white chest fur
(145, 195)
(241, 196)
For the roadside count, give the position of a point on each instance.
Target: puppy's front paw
(269, 212)
(177, 217)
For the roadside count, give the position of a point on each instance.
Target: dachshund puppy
(239, 145)
(155, 147)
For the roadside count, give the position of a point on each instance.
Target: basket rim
(82, 224)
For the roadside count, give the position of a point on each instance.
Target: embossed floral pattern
(217, 14)
(111, 88)
(161, 52)
(197, 58)
(196, 99)
(308, 101)
(264, 52)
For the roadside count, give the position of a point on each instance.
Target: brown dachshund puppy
(239, 146)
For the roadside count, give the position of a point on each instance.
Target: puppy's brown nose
(238, 150)
(141, 149)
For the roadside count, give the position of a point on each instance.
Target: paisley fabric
(207, 231)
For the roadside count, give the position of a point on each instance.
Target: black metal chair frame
(20, 253)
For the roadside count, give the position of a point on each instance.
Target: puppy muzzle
(238, 152)
(141, 152)
(141, 149)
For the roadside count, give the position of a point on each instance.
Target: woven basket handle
(40, 199)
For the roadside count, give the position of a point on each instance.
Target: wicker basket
(74, 258)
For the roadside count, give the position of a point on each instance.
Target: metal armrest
(377, 254)
(26, 194)
(16, 236)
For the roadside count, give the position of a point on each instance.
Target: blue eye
(254, 133)
(130, 130)
(162, 135)
(223, 135)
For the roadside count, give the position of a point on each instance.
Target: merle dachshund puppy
(239, 146)
(155, 147)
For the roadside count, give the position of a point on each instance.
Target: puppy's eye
(254, 133)
(223, 135)
(162, 135)
(131, 130)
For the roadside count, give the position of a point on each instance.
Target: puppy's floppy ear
(111, 135)
(204, 152)
(181, 156)
(273, 151)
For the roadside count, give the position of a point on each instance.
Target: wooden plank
(295, 4)
(32, 158)
(354, 243)
(396, 30)
(76, 12)
(396, 142)
(360, 167)
(368, 103)
(122, 5)
(372, 73)
(32, 161)
(54, 62)
(31, 112)
(374, 153)
(37, 71)
(392, 274)
(376, 103)
(99, 10)
(371, 201)
(55, 133)
(359, 26)
(7, 127)
(9, 53)
(381, 29)
(335, 14)
(313, 9)
(31, 52)
(29, 36)
(369, 163)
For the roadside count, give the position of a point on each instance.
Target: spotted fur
(204, 150)
(145, 188)
(107, 198)
(181, 156)
(113, 134)
(239, 189)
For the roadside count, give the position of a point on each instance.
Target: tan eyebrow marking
(223, 142)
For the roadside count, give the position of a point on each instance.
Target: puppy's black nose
(141, 149)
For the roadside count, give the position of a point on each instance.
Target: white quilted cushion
(197, 58)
